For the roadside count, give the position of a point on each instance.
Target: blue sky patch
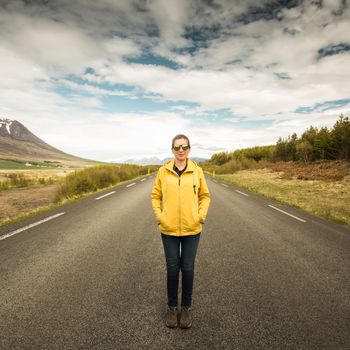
(199, 37)
(154, 60)
(246, 123)
(324, 106)
(268, 11)
(83, 82)
(141, 104)
(333, 49)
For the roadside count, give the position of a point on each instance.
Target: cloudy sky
(115, 79)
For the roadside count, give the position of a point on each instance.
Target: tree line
(314, 144)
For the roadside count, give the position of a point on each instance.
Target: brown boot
(171, 317)
(185, 317)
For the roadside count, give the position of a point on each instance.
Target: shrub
(18, 180)
(95, 178)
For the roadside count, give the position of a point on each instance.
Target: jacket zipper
(179, 207)
(194, 187)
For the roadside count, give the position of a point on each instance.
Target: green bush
(18, 180)
(15, 180)
(4, 185)
(95, 178)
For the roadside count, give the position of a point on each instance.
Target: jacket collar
(191, 165)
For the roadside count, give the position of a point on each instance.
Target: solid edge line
(30, 226)
(244, 194)
(105, 195)
(295, 217)
(134, 183)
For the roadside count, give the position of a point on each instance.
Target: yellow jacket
(180, 203)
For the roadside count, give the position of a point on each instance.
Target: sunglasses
(184, 147)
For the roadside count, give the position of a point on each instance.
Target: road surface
(92, 275)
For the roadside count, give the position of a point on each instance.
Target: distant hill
(17, 142)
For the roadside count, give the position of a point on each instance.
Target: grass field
(15, 178)
(324, 198)
(8, 164)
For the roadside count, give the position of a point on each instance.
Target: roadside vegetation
(28, 196)
(95, 178)
(15, 180)
(328, 199)
(310, 172)
(313, 145)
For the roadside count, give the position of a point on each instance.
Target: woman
(180, 201)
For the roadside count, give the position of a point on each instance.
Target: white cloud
(53, 46)
(108, 136)
(91, 89)
(171, 17)
(121, 47)
(42, 46)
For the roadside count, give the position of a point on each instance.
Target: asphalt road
(95, 277)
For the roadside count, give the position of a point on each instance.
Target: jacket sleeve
(204, 197)
(157, 196)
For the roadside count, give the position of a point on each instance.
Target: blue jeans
(175, 261)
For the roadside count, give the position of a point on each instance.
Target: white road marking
(105, 195)
(244, 194)
(143, 179)
(214, 180)
(295, 217)
(134, 183)
(29, 226)
(224, 185)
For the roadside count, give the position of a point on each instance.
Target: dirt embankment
(20, 200)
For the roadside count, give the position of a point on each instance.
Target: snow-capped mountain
(17, 142)
(14, 130)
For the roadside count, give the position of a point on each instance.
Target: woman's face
(180, 155)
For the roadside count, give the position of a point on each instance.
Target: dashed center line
(29, 226)
(105, 195)
(143, 179)
(244, 194)
(134, 183)
(293, 216)
(224, 185)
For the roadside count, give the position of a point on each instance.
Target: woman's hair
(180, 136)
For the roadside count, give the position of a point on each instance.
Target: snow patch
(6, 123)
(8, 128)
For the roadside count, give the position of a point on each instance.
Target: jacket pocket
(170, 219)
(163, 219)
(191, 220)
